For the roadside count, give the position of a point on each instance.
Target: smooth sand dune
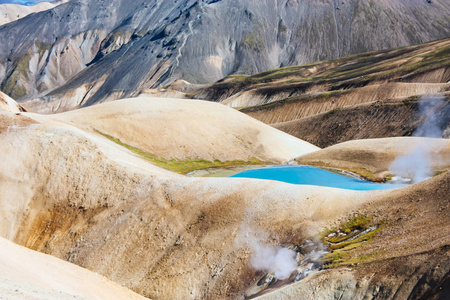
(186, 129)
(27, 274)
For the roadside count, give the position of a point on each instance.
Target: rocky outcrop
(395, 278)
(144, 44)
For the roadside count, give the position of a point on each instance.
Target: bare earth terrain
(74, 186)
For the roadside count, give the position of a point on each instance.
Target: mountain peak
(103, 50)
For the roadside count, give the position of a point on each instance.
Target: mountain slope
(79, 197)
(89, 52)
(367, 77)
(371, 95)
(383, 118)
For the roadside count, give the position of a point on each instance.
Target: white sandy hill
(82, 198)
(167, 236)
(27, 274)
(376, 155)
(9, 104)
(186, 129)
(11, 12)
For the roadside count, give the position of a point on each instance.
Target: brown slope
(387, 118)
(411, 251)
(84, 199)
(425, 63)
(311, 104)
(357, 97)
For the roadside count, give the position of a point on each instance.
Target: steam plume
(429, 108)
(269, 258)
(417, 164)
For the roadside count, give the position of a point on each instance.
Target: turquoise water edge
(313, 176)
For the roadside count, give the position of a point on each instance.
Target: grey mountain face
(91, 51)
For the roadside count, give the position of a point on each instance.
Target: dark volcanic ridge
(91, 51)
(384, 118)
(370, 95)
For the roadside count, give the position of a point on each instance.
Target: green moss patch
(346, 238)
(368, 175)
(14, 83)
(181, 166)
(401, 64)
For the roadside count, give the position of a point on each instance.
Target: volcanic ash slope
(8, 104)
(83, 198)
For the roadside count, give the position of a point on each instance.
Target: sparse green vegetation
(42, 47)
(182, 166)
(331, 113)
(367, 175)
(237, 76)
(439, 172)
(401, 64)
(253, 41)
(357, 223)
(302, 98)
(347, 237)
(410, 100)
(190, 95)
(13, 85)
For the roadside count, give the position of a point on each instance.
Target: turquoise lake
(313, 176)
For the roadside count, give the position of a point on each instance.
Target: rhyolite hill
(68, 191)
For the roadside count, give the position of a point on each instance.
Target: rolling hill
(69, 191)
(371, 95)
